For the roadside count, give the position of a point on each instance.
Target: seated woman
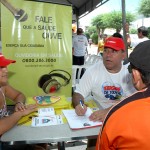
(6, 91)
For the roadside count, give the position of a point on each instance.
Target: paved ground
(81, 146)
(72, 145)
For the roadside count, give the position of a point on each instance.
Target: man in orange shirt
(126, 126)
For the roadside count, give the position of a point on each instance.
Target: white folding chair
(91, 59)
(76, 75)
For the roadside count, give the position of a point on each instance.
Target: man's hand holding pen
(81, 108)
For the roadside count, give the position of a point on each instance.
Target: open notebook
(79, 122)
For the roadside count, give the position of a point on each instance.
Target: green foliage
(99, 23)
(92, 29)
(133, 31)
(94, 38)
(92, 33)
(115, 19)
(144, 8)
(111, 20)
(87, 34)
(107, 20)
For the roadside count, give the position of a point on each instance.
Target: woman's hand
(20, 106)
(29, 109)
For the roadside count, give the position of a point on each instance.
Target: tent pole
(123, 24)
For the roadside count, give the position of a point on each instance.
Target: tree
(92, 29)
(133, 31)
(94, 38)
(99, 23)
(92, 33)
(87, 34)
(110, 20)
(144, 8)
(114, 19)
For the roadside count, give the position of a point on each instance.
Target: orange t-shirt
(127, 125)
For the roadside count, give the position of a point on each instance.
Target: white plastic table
(57, 133)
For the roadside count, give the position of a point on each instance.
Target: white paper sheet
(79, 122)
(46, 111)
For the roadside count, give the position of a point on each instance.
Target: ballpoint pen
(81, 103)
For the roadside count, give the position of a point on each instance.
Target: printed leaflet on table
(46, 117)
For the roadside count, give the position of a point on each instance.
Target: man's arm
(128, 39)
(76, 99)
(80, 109)
(95, 116)
(99, 115)
(127, 34)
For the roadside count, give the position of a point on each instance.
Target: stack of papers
(46, 117)
(43, 112)
(80, 122)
